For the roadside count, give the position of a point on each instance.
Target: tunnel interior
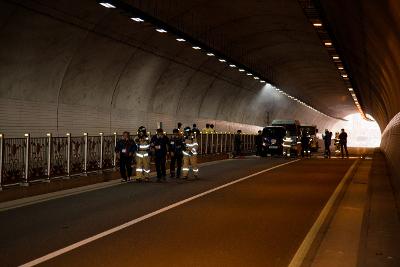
(86, 68)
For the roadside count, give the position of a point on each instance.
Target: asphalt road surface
(260, 221)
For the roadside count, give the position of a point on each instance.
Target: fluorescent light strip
(161, 30)
(196, 48)
(107, 5)
(222, 60)
(249, 74)
(180, 40)
(241, 70)
(232, 65)
(210, 54)
(137, 19)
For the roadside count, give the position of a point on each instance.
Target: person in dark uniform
(125, 149)
(196, 130)
(343, 143)
(258, 142)
(327, 142)
(176, 145)
(305, 144)
(159, 144)
(237, 142)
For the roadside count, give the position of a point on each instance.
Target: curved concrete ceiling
(270, 33)
(81, 67)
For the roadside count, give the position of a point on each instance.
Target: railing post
(68, 154)
(206, 143)
(201, 143)
(48, 156)
(216, 142)
(212, 143)
(27, 150)
(115, 153)
(85, 137)
(221, 145)
(101, 151)
(226, 137)
(1, 159)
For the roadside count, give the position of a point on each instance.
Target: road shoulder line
(311, 236)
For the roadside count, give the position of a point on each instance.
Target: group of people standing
(341, 140)
(181, 147)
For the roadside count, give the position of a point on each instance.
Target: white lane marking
(27, 201)
(305, 246)
(142, 218)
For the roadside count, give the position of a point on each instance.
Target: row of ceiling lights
(336, 59)
(210, 54)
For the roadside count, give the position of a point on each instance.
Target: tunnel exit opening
(361, 132)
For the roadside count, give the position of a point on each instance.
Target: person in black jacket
(176, 145)
(237, 143)
(125, 149)
(343, 143)
(159, 144)
(327, 142)
(258, 142)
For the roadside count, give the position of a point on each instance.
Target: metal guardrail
(30, 159)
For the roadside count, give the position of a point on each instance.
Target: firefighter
(142, 155)
(159, 144)
(190, 154)
(176, 144)
(305, 144)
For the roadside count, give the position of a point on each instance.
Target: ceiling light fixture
(256, 78)
(249, 74)
(328, 44)
(340, 68)
(196, 48)
(137, 19)
(210, 54)
(241, 70)
(107, 5)
(222, 60)
(180, 40)
(344, 75)
(161, 30)
(232, 65)
(317, 24)
(335, 57)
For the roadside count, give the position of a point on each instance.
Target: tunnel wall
(368, 35)
(391, 147)
(89, 70)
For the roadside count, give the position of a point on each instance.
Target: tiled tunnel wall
(62, 72)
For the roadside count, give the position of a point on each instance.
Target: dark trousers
(327, 150)
(176, 159)
(125, 166)
(343, 146)
(160, 166)
(304, 149)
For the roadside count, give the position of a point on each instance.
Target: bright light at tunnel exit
(361, 133)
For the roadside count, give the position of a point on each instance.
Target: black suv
(272, 140)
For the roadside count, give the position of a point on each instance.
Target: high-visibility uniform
(142, 158)
(190, 157)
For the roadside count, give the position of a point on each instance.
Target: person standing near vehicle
(327, 142)
(159, 144)
(343, 143)
(195, 130)
(258, 142)
(176, 145)
(305, 144)
(125, 149)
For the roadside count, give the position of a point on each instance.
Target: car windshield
(309, 129)
(274, 132)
